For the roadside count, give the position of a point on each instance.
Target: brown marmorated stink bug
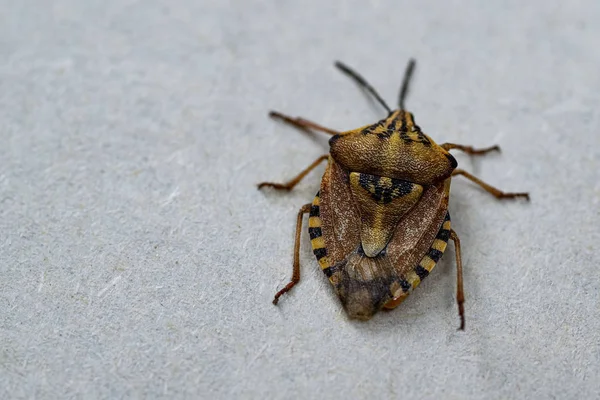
(380, 221)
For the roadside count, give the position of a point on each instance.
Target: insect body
(380, 221)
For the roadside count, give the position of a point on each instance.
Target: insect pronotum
(380, 223)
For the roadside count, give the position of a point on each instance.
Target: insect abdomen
(427, 263)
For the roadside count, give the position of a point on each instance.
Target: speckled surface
(138, 260)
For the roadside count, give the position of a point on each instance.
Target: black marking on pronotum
(422, 138)
(390, 129)
(314, 233)
(369, 129)
(405, 138)
(403, 127)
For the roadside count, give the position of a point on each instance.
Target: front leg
(469, 149)
(301, 123)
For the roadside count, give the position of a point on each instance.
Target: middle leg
(296, 267)
(497, 193)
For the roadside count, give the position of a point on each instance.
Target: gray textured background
(138, 260)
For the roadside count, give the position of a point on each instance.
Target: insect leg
(460, 294)
(499, 194)
(470, 149)
(302, 123)
(290, 185)
(296, 273)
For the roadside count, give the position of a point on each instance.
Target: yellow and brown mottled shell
(403, 226)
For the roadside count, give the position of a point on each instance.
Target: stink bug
(380, 221)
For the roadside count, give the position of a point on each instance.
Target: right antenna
(406, 81)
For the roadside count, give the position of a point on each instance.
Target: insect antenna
(362, 83)
(405, 82)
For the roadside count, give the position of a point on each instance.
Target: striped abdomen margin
(316, 235)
